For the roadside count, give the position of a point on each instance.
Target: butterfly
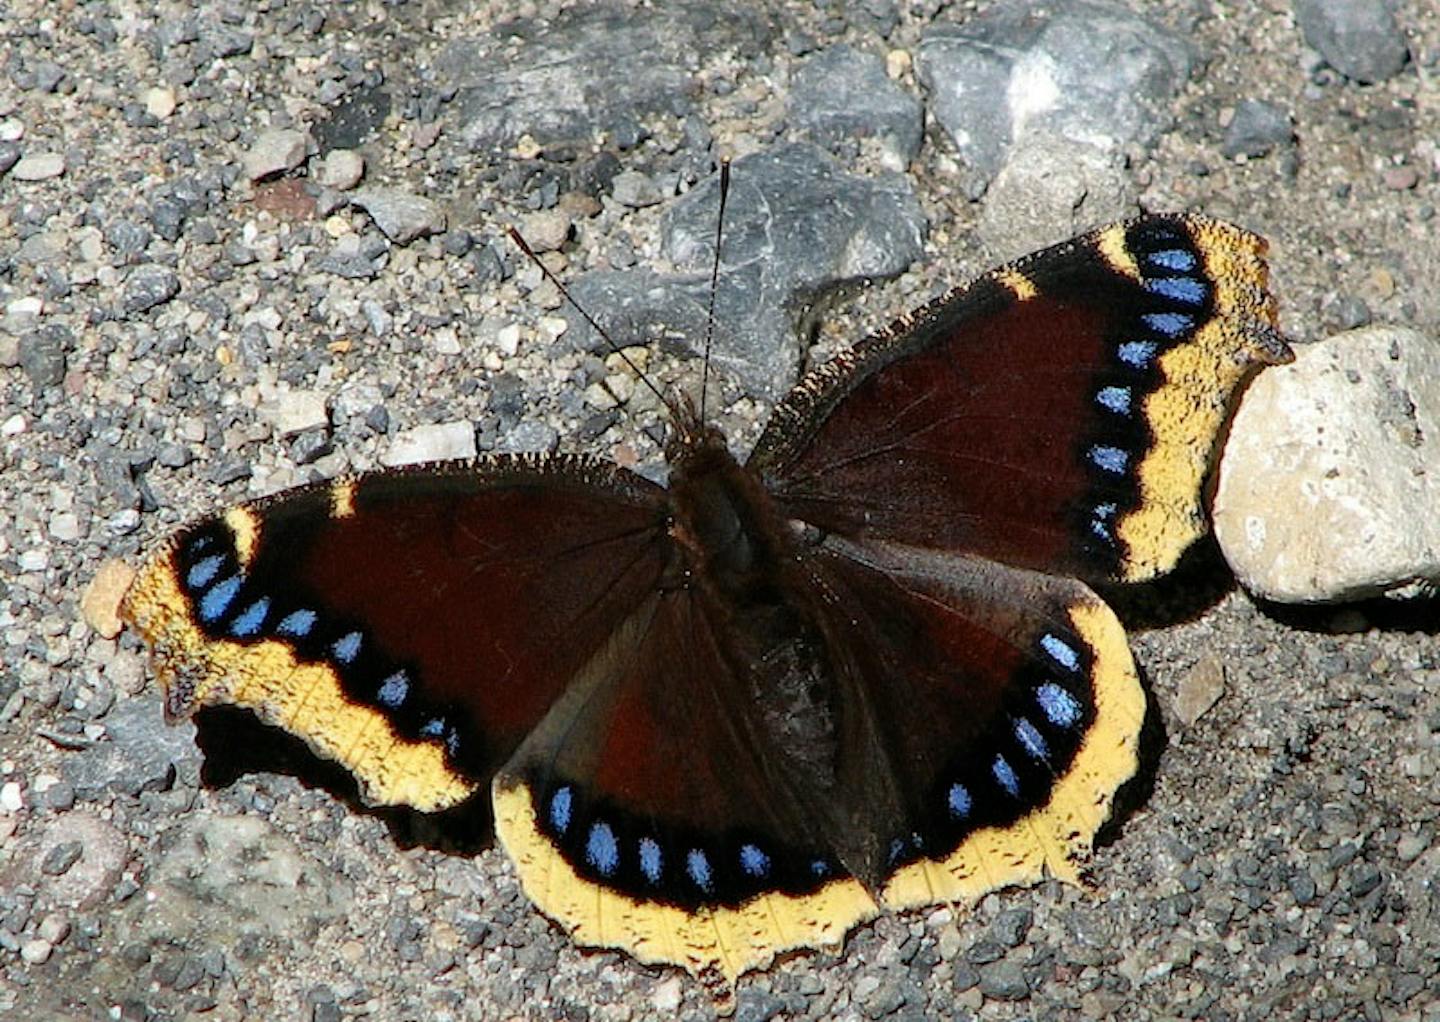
(743, 712)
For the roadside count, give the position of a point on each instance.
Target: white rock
(11, 798)
(342, 169)
(295, 411)
(275, 152)
(1329, 483)
(38, 167)
(441, 441)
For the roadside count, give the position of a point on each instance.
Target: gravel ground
(199, 306)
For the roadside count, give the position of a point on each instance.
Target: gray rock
(91, 876)
(1004, 981)
(1332, 471)
(401, 216)
(9, 155)
(529, 436)
(845, 93)
(149, 286)
(839, 229)
(143, 753)
(1198, 690)
(1011, 926)
(1256, 129)
(1358, 38)
(635, 189)
(593, 70)
(1049, 191)
(223, 880)
(43, 353)
(275, 152)
(1087, 74)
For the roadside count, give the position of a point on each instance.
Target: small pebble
(38, 167)
(160, 102)
(36, 951)
(342, 169)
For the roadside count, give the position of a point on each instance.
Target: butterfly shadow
(236, 743)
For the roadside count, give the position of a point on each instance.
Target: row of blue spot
(603, 851)
(1061, 710)
(214, 597)
(1170, 273)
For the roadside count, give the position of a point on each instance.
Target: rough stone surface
(839, 229)
(402, 216)
(1359, 38)
(842, 93)
(431, 442)
(1333, 466)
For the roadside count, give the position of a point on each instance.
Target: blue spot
(819, 868)
(1061, 708)
(347, 647)
(200, 544)
(602, 850)
(1061, 652)
(1137, 354)
(216, 602)
(698, 866)
(394, 690)
(202, 573)
(650, 859)
(754, 861)
(1177, 259)
(897, 849)
(1005, 776)
(1032, 740)
(452, 743)
(249, 620)
(1171, 324)
(1187, 290)
(960, 801)
(433, 728)
(297, 623)
(1100, 521)
(1110, 459)
(1117, 399)
(560, 805)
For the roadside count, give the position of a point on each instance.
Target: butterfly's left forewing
(412, 626)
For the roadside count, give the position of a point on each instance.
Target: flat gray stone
(1329, 482)
(591, 71)
(839, 229)
(845, 93)
(38, 167)
(401, 216)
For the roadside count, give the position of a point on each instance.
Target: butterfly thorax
(739, 551)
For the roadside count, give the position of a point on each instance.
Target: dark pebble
(1256, 129)
(757, 1005)
(229, 471)
(310, 446)
(1004, 981)
(60, 858)
(983, 952)
(1011, 926)
(148, 287)
(966, 977)
(1303, 889)
(59, 797)
(42, 354)
(9, 155)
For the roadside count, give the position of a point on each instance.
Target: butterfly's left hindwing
(1060, 413)
(412, 626)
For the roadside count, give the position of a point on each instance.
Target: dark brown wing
(1007, 706)
(1059, 413)
(414, 626)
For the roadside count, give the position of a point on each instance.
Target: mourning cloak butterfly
(741, 713)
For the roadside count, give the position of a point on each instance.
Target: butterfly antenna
(714, 283)
(524, 246)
